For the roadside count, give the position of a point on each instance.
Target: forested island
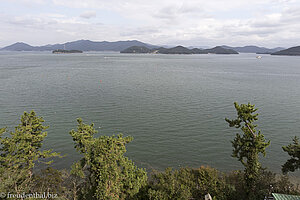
(66, 51)
(178, 50)
(105, 173)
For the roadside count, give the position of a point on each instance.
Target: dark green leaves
(20, 151)
(108, 173)
(293, 150)
(248, 145)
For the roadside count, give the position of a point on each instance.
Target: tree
(247, 146)
(107, 172)
(171, 184)
(187, 183)
(21, 151)
(293, 150)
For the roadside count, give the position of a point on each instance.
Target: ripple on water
(173, 106)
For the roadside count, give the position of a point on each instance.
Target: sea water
(173, 105)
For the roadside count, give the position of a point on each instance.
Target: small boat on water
(258, 57)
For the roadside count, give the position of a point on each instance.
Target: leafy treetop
(294, 151)
(247, 146)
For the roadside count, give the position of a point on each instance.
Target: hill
(219, 50)
(175, 50)
(178, 50)
(197, 51)
(82, 45)
(19, 46)
(137, 49)
(293, 51)
(87, 45)
(253, 49)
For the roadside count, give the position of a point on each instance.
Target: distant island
(137, 49)
(254, 49)
(82, 45)
(87, 45)
(135, 46)
(66, 51)
(293, 51)
(178, 50)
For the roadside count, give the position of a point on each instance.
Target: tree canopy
(20, 151)
(110, 175)
(293, 150)
(248, 145)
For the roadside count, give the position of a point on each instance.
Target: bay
(173, 105)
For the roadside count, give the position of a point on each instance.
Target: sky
(269, 23)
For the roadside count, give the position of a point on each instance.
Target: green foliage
(105, 173)
(188, 183)
(171, 184)
(21, 151)
(236, 179)
(210, 180)
(108, 173)
(53, 181)
(266, 183)
(2, 130)
(293, 150)
(248, 145)
(284, 186)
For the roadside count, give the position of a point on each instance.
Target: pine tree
(107, 172)
(293, 150)
(248, 145)
(20, 151)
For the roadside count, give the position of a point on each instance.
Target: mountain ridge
(82, 45)
(178, 50)
(253, 49)
(88, 45)
(293, 51)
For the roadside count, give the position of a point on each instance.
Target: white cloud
(88, 14)
(28, 2)
(192, 22)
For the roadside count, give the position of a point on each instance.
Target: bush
(187, 183)
(267, 183)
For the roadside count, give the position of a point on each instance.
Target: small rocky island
(178, 50)
(66, 51)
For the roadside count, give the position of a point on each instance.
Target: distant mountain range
(293, 51)
(178, 50)
(254, 49)
(87, 45)
(82, 45)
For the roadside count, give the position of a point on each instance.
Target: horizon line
(162, 45)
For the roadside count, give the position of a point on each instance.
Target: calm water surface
(173, 105)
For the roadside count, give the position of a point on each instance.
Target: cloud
(193, 22)
(88, 14)
(141, 31)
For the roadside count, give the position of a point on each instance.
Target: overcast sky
(269, 23)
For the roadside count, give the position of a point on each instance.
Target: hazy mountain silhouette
(253, 49)
(220, 50)
(293, 51)
(87, 45)
(179, 50)
(82, 45)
